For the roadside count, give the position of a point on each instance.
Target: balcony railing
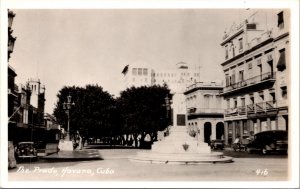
(207, 111)
(261, 107)
(250, 81)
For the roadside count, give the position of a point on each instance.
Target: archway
(207, 132)
(219, 130)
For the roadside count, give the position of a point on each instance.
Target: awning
(281, 62)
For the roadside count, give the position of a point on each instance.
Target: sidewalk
(75, 155)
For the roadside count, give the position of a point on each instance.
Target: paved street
(116, 167)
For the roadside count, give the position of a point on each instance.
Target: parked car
(25, 150)
(269, 141)
(217, 144)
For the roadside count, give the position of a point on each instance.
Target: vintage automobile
(217, 144)
(269, 142)
(25, 150)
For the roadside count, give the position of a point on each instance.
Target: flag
(125, 70)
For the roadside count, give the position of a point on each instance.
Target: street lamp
(67, 106)
(168, 106)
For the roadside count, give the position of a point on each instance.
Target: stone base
(65, 145)
(180, 148)
(179, 158)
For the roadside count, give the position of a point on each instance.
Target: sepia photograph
(168, 96)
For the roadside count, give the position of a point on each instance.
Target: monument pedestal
(65, 145)
(180, 148)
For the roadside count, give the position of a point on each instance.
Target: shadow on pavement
(243, 154)
(103, 146)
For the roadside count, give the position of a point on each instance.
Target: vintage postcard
(150, 94)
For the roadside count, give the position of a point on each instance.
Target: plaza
(115, 166)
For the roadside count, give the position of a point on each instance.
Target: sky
(65, 47)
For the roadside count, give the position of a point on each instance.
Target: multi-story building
(177, 78)
(50, 122)
(256, 67)
(37, 101)
(12, 95)
(137, 75)
(205, 111)
(181, 76)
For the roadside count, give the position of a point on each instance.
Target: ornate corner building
(205, 110)
(26, 103)
(256, 67)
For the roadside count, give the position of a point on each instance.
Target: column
(241, 128)
(233, 131)
(258, 124)
(251, 127)
(268, 123)
(226, 133)
(213, 131)
(201, 126)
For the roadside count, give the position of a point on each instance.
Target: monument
(179, 147)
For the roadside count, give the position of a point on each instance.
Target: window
(241, 44)
(281, 65)
(228, 103)
(243, 101)
(251, 26)
(261, 95)
(250, 65)
(145, 71)
(280, 20)
(233, 78)
(227, 80)
(134, 71)
(226, 52)
(206, 101)
(140, 71)
(235, 103)
(251, 98)
(284, 92)
(241, 75)
(233, 51)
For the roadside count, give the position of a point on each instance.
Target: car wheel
(264, 151)
(249, 150)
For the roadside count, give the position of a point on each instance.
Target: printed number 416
(263, 172)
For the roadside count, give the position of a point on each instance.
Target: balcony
(205, 112)
(268, 77)
(252, 110)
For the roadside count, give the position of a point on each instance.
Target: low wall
(51, 148)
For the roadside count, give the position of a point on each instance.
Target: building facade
(12, 94)
(137, 75)
(256, 68)
(180, 76)
(205, 110)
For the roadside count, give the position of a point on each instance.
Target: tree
(92, 114)
(142, 111)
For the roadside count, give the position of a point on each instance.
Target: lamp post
(168, 106)
(67, 106)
